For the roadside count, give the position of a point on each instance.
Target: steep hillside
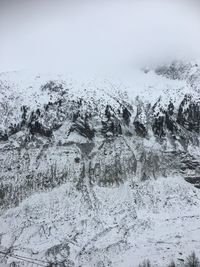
(100, 171)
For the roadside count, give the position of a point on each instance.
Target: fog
(92, 35)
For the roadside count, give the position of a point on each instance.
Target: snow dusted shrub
(172, 264)
(145, 263)
(192, 260)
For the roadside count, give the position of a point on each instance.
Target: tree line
(191, 261)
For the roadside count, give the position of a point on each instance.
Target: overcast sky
(60, 34)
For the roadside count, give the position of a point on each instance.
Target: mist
(96, 35)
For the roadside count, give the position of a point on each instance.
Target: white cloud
(66, 35)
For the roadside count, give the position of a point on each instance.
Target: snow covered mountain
(100, 171)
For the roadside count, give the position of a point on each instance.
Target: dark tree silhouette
(192, 260)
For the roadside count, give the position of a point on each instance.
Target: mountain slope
(92, 171)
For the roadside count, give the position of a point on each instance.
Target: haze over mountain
(99, 133)
(66, 35)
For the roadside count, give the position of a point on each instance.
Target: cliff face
(56, 135)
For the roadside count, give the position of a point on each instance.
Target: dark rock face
(111, 127)
(83, 127)
(37, 128)
(126, 115)
(3, 136)
(189, 114)
(158, 126)
(140, 129)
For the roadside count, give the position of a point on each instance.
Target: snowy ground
(119, 227)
